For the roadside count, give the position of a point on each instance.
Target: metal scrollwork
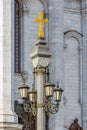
(51, 107)
(25, 116)
(30, 107)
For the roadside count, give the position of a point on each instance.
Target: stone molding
(23, 3)
(45, 5)
(79, 37)
(8, 126)
(72, 33)
(84, 4)
(73, 4)
(72, 11)
(84, 11)
(41, 71)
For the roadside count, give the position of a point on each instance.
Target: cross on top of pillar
(42, 21)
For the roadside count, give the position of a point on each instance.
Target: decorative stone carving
(41, 55)
(79, 38)
(75, 125)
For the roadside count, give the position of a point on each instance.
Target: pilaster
(40, 98)
(7, 116)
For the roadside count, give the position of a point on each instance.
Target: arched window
(72, 76)
(17, 45)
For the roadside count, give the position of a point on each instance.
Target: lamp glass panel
(23, 92)
(32, 97)
(57, 95)
(49, 91)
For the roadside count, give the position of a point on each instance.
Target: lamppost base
(10, 126)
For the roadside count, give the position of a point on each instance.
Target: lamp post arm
(51, 107)
(30, 107)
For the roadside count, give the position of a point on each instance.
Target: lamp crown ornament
(57, 84)
(48, 75)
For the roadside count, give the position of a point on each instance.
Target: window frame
(17, 68)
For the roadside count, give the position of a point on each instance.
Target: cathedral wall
(60, 20)
(72, 22)
(73, 81)
(55, 27)
(84, 30)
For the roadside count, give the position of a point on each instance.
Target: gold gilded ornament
(42, 21)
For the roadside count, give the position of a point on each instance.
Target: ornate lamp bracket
(51, 107)
(30, 107)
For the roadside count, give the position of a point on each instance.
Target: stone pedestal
(8, 126)
(40, 58)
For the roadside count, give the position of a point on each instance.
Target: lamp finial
(42, 21)
(57, 84)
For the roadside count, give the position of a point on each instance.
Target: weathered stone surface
(68, 63)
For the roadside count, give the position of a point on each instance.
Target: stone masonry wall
(84, 30)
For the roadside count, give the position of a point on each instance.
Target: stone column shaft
(40, 98)
(5, 66)
(7, 116)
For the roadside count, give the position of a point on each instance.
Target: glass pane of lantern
(32, 96)
(23, 91)
(49, 89)
(58, 94)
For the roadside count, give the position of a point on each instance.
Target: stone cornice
(84, 11)
(72, 11)
(75, 11)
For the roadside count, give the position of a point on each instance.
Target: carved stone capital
(40, 71)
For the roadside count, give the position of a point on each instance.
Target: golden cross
(42, 21)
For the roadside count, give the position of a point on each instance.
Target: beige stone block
(8, 126)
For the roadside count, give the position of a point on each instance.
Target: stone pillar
(40, 57)
(7, 116)
(84, 31)
(5, 66)
(40, 98)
